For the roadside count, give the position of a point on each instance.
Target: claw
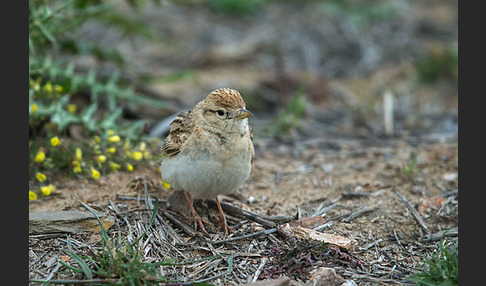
(198, 220)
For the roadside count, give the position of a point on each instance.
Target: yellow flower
(58, 88)
(143, 145)
(137, 155)
(101, 158)
(77, 167)
(78, 154)
(48, 87)
(40, 156)
(147, 155)
(48, 189)
(129, 167)
(34, 108)
(111, 132)
(114, 138)
(55, 141)
(95, 173)
(115, 166)
(72, 108)
(32, 196)
(112, 150)
(36, 85)
(166, 184)
(40, 177)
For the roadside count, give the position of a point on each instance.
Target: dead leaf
(297, 231)
(430, 203)
(308, 222)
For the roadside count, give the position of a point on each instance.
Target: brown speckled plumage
(209, 148)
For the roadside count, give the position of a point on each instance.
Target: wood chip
(296, 231)
(308, 222)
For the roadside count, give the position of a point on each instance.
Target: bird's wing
(180, 129)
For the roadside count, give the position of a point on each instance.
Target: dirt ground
(336, 163)
(353, 175)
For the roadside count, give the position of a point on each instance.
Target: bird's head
(224, 109)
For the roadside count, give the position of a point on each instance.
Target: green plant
(360, 14)
(409, 168)
(55, 80)
(92, 158)
(236, 7)
(291, 116)
(436, 64)
(116, 261)
(441, 268)
(227, 7)
(120, 262)
(56, 86)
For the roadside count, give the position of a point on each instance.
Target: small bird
(209, 150)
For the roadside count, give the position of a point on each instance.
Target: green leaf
(87, 117)
(60, 116)
(152, 219)
(109, 122)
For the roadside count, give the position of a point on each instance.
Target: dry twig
(438, 235)
(268, 231)
(359, 212)
(414, 212)
(232, 210)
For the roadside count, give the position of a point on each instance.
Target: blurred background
(308, 70)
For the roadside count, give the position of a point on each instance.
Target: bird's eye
(220, 112)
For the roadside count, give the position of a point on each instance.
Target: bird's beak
(242, 114)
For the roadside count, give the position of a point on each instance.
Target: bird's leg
(227, 229)
(195, 216)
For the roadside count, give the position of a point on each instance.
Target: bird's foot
(224, 225)
(198, 220)
(226, 228)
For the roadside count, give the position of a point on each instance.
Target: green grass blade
(103, 231)
(84, 267)
(152, 219)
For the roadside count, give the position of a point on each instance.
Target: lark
(209, 150)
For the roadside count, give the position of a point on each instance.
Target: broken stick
(414, 212)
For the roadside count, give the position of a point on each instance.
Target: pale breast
(209, 167)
